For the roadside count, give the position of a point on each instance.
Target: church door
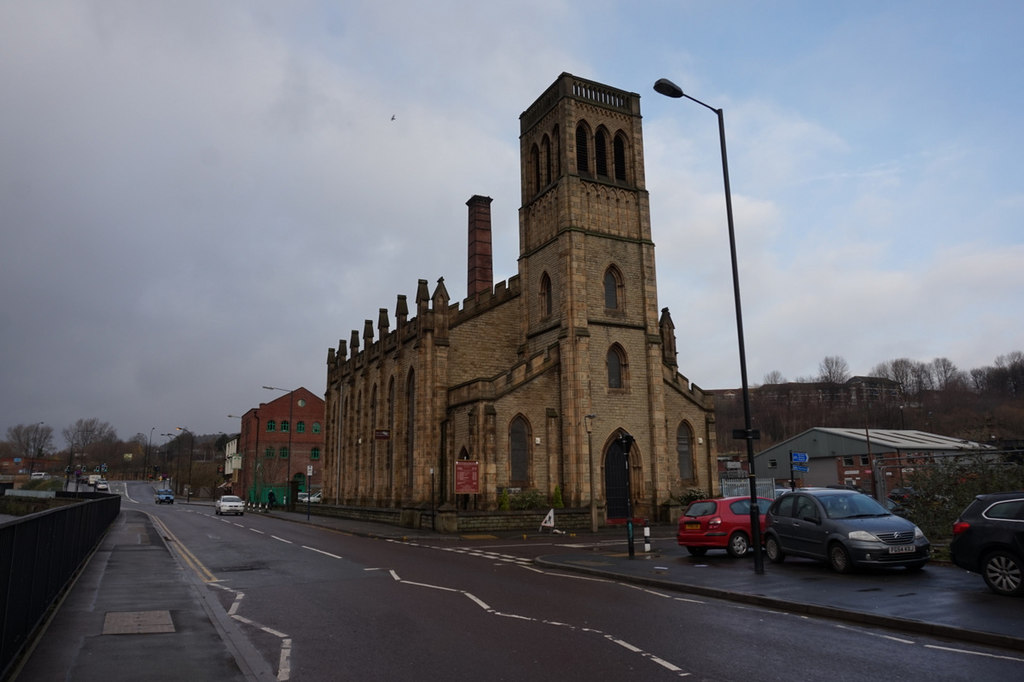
(616, 481)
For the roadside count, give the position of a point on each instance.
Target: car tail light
(960, 526)
(715, 522)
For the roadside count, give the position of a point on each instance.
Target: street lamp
(291, 427)
(191, 447)
(666, 87)
(588, 421)
(145, 461)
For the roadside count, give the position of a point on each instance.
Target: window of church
(620, 157)
(271, 425)
(300, 427)
(316, 427)
(600, 154)
(545, 295)
(612, 285)
(546, 151)
(616, 367)
(519, 453)
(684, 451)
(582, 151)
(285, 426)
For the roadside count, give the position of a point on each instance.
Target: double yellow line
(182, 551)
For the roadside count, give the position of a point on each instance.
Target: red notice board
(467, 477)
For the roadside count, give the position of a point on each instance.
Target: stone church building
(528, 386)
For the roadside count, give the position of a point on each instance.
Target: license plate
(902, 549)
(692, 525)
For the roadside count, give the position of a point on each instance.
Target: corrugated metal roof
(905, 439)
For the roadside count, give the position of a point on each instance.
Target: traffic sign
(799, 456)
(800, 467)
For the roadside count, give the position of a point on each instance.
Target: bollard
(647, 537)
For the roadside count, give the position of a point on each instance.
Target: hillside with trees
(984, 404)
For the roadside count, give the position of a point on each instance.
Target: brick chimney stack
(481, 273)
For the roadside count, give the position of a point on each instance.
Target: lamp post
(588, 421)
(291, 427)
(191, 447)
(166, 471)
(145, 460)
(666, 87)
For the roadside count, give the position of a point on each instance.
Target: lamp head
(666, 87)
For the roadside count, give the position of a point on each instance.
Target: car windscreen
(850, 506)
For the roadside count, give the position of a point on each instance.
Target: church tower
(586, 263)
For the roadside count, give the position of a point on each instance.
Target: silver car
(229, 504)
(843, 527)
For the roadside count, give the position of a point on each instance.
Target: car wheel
(774, 550)
(697, 551)
(738, 545)
(1004, 573)
(839, 558)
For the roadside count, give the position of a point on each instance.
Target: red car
(719, 524)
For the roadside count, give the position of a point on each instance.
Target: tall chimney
(481, 273)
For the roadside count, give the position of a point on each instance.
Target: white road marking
(320, 551)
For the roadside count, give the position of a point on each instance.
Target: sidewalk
(115, 624)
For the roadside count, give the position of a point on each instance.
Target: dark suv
(844, 528)
(988, 538)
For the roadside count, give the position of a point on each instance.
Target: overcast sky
(200, 198)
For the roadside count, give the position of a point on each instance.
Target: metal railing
(39, 556)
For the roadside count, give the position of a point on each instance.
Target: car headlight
(918, 533)
(862, 535)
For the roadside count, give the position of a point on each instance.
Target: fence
(740, 487)
(39, 555)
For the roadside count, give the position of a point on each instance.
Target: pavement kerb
(858, 617)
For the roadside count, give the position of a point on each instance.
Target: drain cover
(137, 622)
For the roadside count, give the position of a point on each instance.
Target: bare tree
(31, 440)
(833, 370)
(774, 377)
(946, 375)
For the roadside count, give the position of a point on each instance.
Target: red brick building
(277, 442)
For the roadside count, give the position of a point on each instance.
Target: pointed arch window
(619, 154)
(535, 167)
(612, 289)
(684, 451)
(519, 453)
(557, 152)
(617, 367)
(545, 295)
(601, 154)
(582, 149)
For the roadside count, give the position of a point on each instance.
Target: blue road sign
(800, 467)
(799, 456)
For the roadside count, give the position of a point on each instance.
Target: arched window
(582, 150)
(268, 452)
(300, 427)
(390, 441)
(684, 451)
(620, 157)
(314, 453)
(316, 427)
(600, 154)
(545, 295)
(283, 453)
(285, 426)
(519, 453)
(616, 367)
(271, 425)
(612, 285)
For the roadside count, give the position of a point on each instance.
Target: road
(317, 604)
